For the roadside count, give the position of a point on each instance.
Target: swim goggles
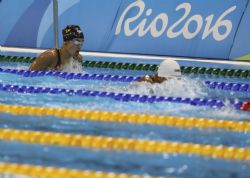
(77, 43)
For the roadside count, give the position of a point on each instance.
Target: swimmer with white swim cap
(59, 58)
(167, 69)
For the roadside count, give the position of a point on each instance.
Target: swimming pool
(103, 120)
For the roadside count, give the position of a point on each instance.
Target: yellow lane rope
(239, 126)
(138, 145)
(52, 172)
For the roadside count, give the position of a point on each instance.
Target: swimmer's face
(74, 46)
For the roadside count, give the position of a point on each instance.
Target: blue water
(125, 130)
(123, 161)
(191, 86)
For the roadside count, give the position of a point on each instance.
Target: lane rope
(104, 116)
(236, 73)
(52, 172)
(239, 87)
(137, 145)
(123, 97)
(71, 76)
(89, 63)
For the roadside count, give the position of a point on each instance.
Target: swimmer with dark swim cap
(167, 69)
(57, 59)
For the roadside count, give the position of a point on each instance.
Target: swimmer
(167, 69)
(59, 58)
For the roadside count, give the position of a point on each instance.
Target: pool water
(126, 161)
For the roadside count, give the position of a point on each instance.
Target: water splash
(184, 87)
(73, 66)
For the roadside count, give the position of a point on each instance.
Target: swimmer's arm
(142, 79)
(158, 79)
(44, 61)
(152, 79)
(146, 78)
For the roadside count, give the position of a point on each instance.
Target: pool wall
(188, 28)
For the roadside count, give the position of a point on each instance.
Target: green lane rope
(146, 67)
(216, 71)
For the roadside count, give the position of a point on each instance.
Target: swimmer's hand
(78, 56)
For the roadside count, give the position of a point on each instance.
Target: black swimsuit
(59, 62)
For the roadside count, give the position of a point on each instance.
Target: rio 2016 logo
(162, 18)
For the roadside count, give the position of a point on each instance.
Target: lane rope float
(236, 73)
(122, 144)
(71, 76)
(52, 172)
(104, 116)
(123, 97)
(239, 87)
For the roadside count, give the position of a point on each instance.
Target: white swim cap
(169, 68)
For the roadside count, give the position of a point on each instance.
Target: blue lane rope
(238, 87)
(125, 97)
(69, 76)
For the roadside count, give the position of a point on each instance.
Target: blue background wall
(192, 28)
(241, 46)
(21, 22)
(179, 45)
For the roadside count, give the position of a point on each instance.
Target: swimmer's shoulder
(152, 79)
(45, 60)
(145, 78)
(158, 79)
(49, 54)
